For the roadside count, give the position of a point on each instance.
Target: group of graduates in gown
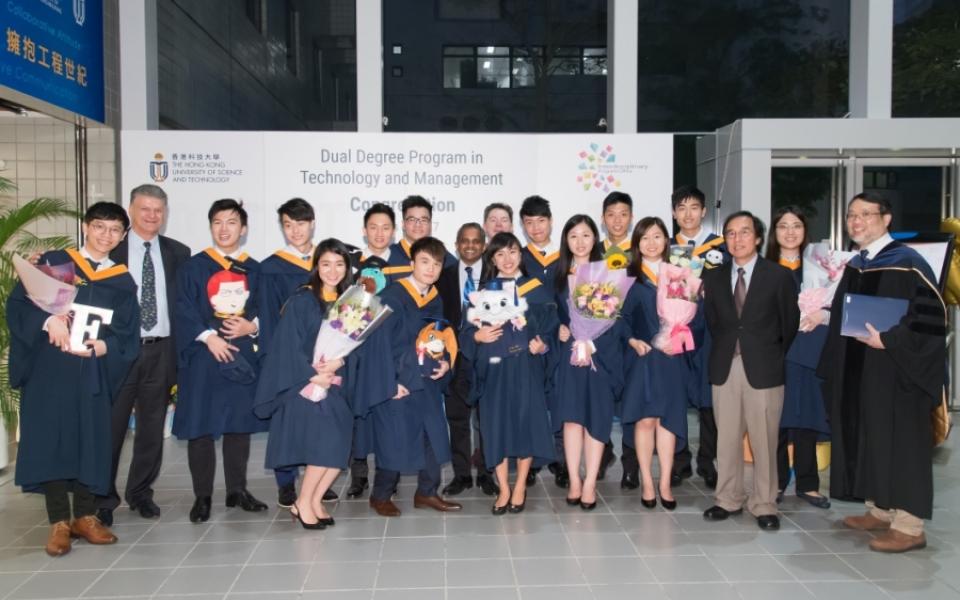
(245, 331)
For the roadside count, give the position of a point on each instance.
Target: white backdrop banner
(342, 174)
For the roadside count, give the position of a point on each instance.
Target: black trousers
(146, 389)
(428, 478)
(202, 458)
(707, 452)
(57, 496)
(804, 460)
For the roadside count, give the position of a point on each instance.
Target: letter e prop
(83, 324)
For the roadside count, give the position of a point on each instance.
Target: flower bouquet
(822, 269)
(678, 289)
(596, 296)
(681, 255)
(350, 321)
(616, 258)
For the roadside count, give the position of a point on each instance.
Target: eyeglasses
(97, 227)
(864, 216)
(417, 221)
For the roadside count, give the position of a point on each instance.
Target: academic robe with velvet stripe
(399, 425)
(586, 395)
(511, 392)
(880, 400)
(803, 404)
(302, 431)
(65, 399)
(208, 403)
(655, 383)
(281, 274)
(536, 264)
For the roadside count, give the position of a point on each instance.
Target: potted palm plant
(15, 238)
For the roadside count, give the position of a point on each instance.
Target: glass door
(818, 186)
(919, 189)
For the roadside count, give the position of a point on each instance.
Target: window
(254, 11)
(501, 67)
(493, 67)
(566, 61)
(459, 67)
(524, 69)
(293, 39)
(594, 61)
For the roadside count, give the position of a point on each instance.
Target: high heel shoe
(572, 501)
(587, 506)
(295, 516)
(499, 511)
(668, 504)
(649, 504)
(327, 522)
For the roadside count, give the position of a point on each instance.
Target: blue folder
(882, 313)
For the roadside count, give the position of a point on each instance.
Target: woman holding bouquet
(510, 390)
(804, 417)
(654, 396)
(302, 431)
(589, 372)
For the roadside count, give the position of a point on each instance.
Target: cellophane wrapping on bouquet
(678, 289)
(681, 255)
(596, 297)
(350, 320)
(822, 270)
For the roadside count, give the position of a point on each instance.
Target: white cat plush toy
(495, 306)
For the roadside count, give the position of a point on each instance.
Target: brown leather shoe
(91, 529)
(866, 522)
(385, 508)
(58, 542)
(897, 541)
(436, 503)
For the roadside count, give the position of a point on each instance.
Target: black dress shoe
(148, 509)
(780, 496)
(200, 513)
(330, 495)
(532, 478)
(562, 478)
(287, 495)
(106, 516)
(675, 480)
(357, 486)
(768, 522)
(458, 485)
(487, 485)
(630, 480)
(709, 479)
(718, 513)
(246, 501)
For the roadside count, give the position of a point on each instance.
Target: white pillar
(871, 58)
(369, 66)
(139, 107)
(622, 47)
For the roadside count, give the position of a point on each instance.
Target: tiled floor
(620, 550)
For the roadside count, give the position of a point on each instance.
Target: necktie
(148, 291)
(863, 257)
(468, 286)
(93, 264)
(739, 297)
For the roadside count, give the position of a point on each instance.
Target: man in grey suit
(152, 260)
(751, 309)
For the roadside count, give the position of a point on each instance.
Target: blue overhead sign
(54, 52)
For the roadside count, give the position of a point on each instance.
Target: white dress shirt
(135, 254)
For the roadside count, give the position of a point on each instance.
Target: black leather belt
(146, 341)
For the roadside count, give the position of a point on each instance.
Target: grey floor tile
(601, 544)
(648, 523)
(539, 545)
(87, 556)
(629, 591)
(349, 550)
(919, 590)
(237, 531)
(175, 532)
(590, 523)
(606, 570)
(484, 546)
(418, 574)
(144, 556)
(219, 553)
(816, 521)
(341, 576)
(472, 573)
(682, 569)
(412, 548)
(791, 542)
(336, 595)
(415, 526)
(843, 540)
(876, 566)
(419, 594)
(298, 550)
(63, 584)
(818, 567)
(474, 526)
(849, 590)
(272, 578)
(571, 592)
(528, 524)
(23, 559)
(10, 581)
(765, 590)
(484, 593)
(701, 591)
(719, 544)
(200, 580)
(371, 527)
(132, 582)
(548, 571)
(670, 543)
(752, 568)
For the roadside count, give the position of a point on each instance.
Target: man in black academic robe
(882, 389)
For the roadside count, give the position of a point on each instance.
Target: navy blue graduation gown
(586, 395)
(655, 384)
(208, 403)
(65, 399)
(803, 403)
(400, 257)
(400, 426)
(511, 394)
(281, 274)
(536, 264)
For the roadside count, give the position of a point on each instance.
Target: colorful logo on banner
(595, 170)
(159, 169)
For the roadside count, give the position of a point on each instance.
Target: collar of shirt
(294, 251)
(653, 265)
(418, 287)
(104, 263)
(384, 254)
(874, 248)
(698, 239)
(233, 254)
(747, 271)
(550, 248)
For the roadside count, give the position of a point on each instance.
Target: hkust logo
(597, 168)
(80, 11)
(159, 169)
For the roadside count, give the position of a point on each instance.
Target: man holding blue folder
(881, 388)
